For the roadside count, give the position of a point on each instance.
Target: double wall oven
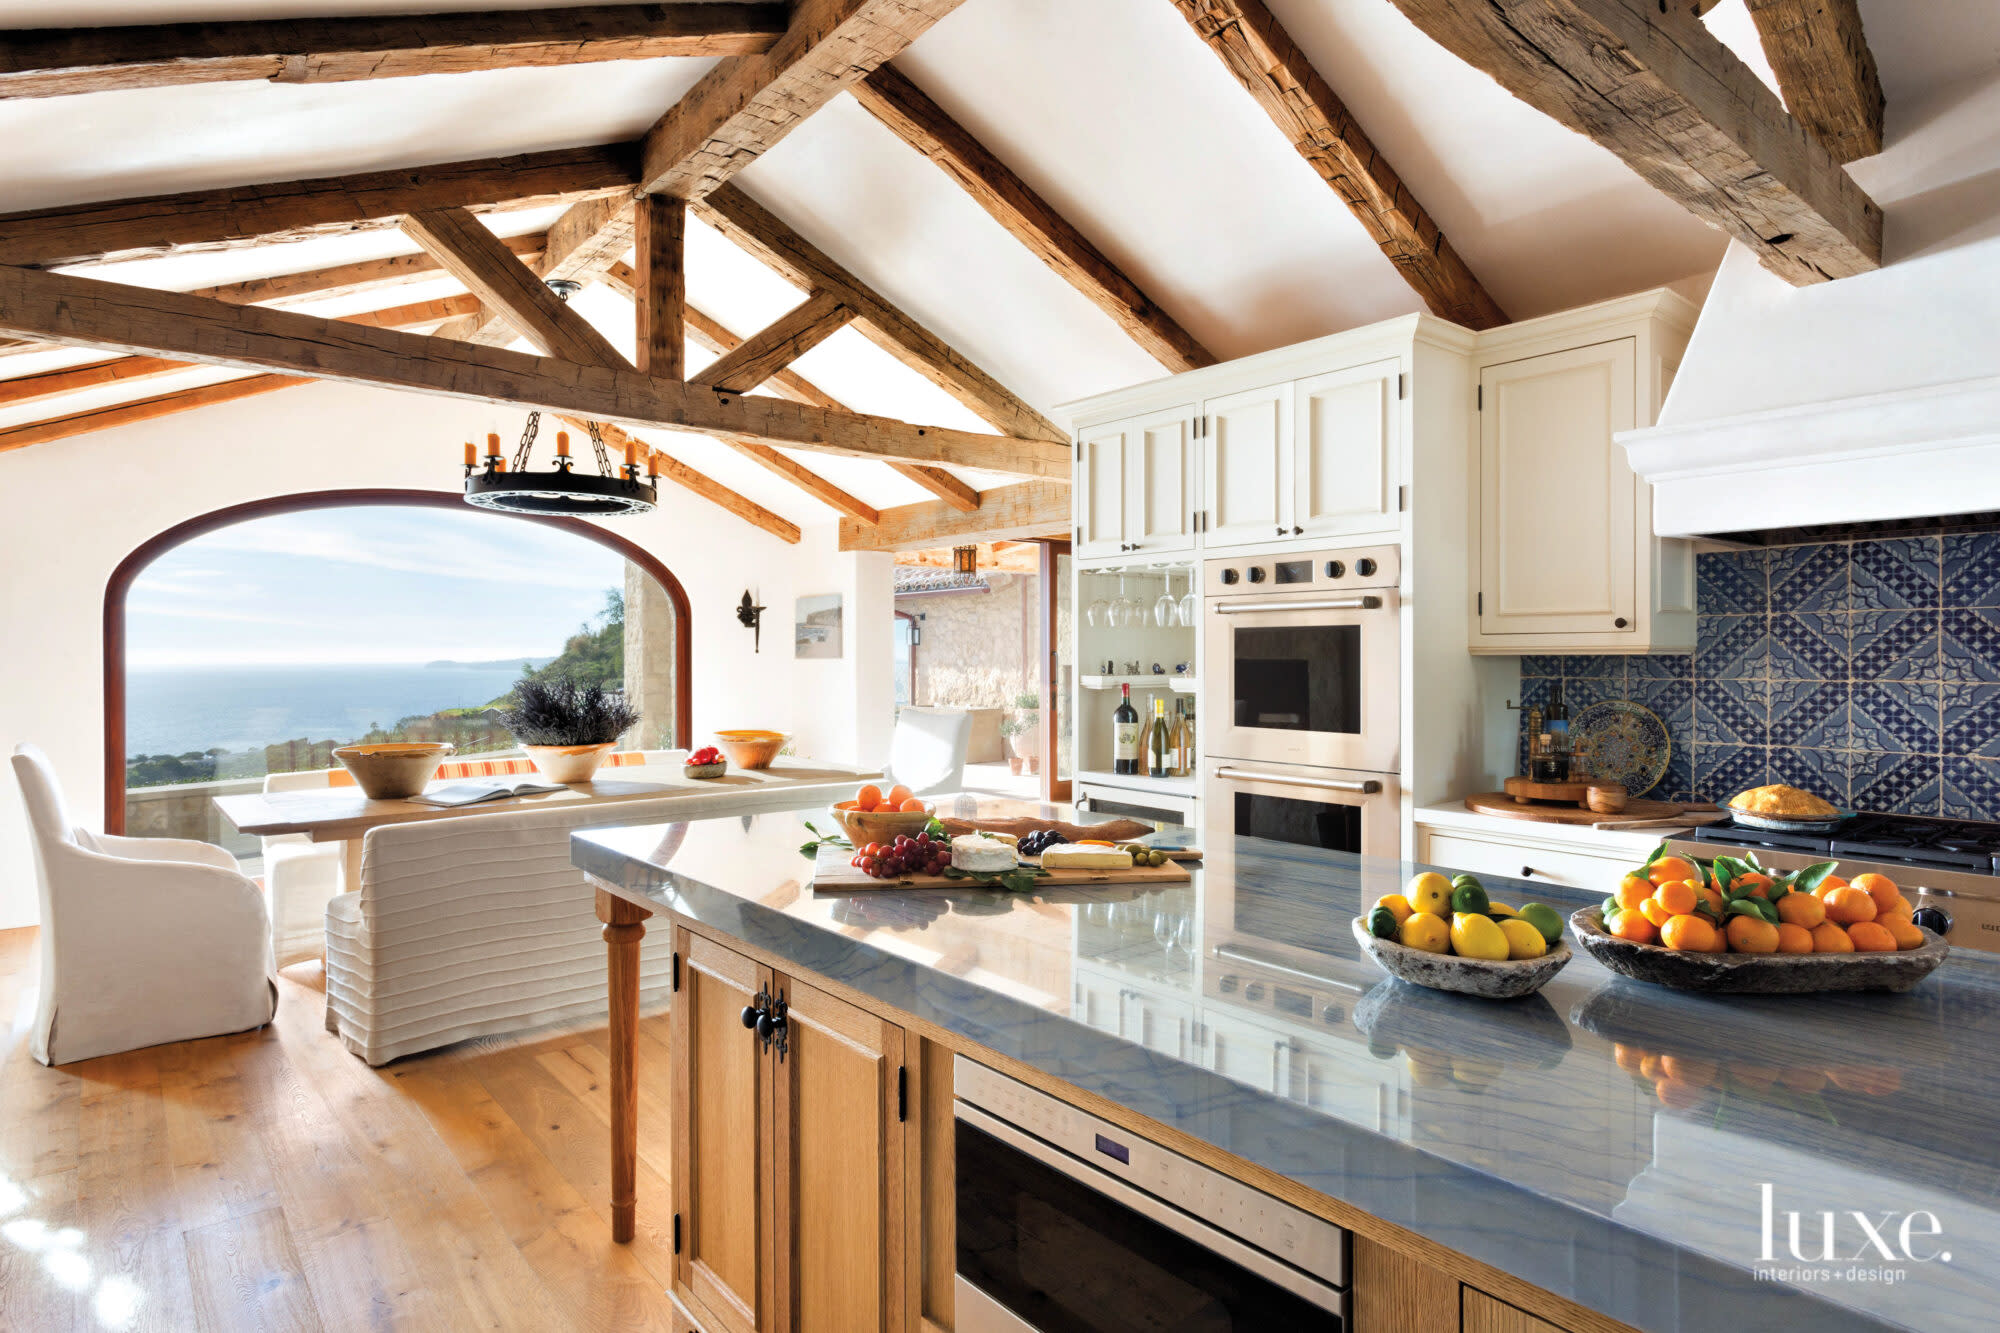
(1302, 701)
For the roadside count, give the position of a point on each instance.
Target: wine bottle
(1125, 734)
(1190, 748)
(1177, 765)
(1158, 762)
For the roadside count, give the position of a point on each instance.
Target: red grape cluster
(921, 855)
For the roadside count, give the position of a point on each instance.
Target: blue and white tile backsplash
(1865, 672)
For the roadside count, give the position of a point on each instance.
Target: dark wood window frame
(133, 565)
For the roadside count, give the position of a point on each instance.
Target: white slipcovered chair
(143, 940)
(927, 753)
(300, 877)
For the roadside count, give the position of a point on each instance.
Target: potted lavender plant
(565, 727)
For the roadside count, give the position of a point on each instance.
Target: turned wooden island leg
(624, 926)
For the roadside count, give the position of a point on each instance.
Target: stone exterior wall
(650, 660)
(187, 810)
(977, 646)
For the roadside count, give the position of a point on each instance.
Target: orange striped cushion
(492, 768)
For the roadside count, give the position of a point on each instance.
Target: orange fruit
(1636, 928)
(1712, 898)
(1750, 934)
(1849, 905)
(1871, 937)
(1689, 934)
(868, 797)
(1799, 1079)
(1655, 911)
(1650, 1063)
(1801, 909)
(1756, 882)
(1633, 890)
(1793, 938)
(911, 805)
(1879, 887)
(1903, 930)
(1721, 944)
(1828, 885)
(1898, 906)
(1760, 1077)
(1628, 1057)
(1668, 869)
(899, 794)
(1828, 937)
(1676, 1095)
(1690, 1069)
(1677, 896)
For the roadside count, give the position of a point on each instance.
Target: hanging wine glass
(1164, 605)
(1123, 609)
(1098, 614)
(1190, 604)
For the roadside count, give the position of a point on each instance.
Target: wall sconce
(751, 617)
(965, 559)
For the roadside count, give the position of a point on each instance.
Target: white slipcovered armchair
(300, 877)
(927, 752)
(143, 940)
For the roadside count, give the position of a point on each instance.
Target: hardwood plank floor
(270, 1180)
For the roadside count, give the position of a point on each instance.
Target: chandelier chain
(527, 441)
(597, 443)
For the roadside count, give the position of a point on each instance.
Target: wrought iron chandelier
(495, 484)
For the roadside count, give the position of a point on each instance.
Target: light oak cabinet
(790, 1171)
(1566, 559)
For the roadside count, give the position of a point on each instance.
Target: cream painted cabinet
(1344, 458)
(1135, 486)
(789, 1155)
(1099, 486)
(1246, 454)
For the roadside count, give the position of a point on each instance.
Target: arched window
(253, 640)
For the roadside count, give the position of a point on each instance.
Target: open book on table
(484, 789)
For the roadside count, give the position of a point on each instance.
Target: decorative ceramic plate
(1623, 742)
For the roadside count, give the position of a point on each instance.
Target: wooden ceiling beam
(1265, 60)
(463, 247)
(672, 469)
(89, 313)
(1653, 85)
(1825, 70)
(788, 383)
(144, 409)
(588, 238)
(659, 285)
(921, 123)
(757, 230)
(55, 62)
(246, 215)
(746, 104)
(1006, 513)
(787, 338)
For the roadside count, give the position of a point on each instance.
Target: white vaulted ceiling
(1114, 110)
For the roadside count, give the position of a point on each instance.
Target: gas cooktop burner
(1958, 844)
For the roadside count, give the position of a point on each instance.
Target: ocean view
(173, 710)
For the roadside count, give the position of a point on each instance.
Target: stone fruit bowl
(1756, 973)
(751, 749)
(866, 826)
(395, 770)
(714, 770)
(1490, 979)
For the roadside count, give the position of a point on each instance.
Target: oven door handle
(1274, 1271)
(1302, 604)
(1364, 786)
(1230, 953)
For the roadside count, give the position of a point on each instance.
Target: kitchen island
(1591, 1157)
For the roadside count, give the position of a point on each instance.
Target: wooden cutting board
(1636, 810)
(833, 874)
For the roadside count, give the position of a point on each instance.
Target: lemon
(1398, 904)
(1431, 892)
(1428, 931)
(1523, 939)
(1500, 909)
(1476, 936)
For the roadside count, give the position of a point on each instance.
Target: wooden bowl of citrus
(1731, 925)
(874, 815)
(1448, 935)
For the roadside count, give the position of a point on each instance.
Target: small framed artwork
(816, 632)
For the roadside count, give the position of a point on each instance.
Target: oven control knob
(1254, 991)
(1933, 919)
(1364, 567)
(1256, 573)
(1229, 576)
(1227, 985)
(1335, 569)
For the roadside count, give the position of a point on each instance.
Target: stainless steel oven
(1341, 810)
(1302, 659)
(1070, 1224)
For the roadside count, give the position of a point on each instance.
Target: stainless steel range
(1949, 868)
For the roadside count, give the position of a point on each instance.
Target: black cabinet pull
(1620, 623)
(1298, 532)
(757, 1013)
(1527, 872)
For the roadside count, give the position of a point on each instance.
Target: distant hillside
(498, 664)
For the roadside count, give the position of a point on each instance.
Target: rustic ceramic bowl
(394, 770)
(1756, 973)
(866, 826)
(1490, 979)
(751, 749)
(568, 763)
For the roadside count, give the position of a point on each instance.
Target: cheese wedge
(980, 854)
(1069, 856)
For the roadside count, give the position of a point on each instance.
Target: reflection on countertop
(1604, 1139)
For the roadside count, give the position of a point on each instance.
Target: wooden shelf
(1178, 684)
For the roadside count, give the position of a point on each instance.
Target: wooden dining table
(343, 814)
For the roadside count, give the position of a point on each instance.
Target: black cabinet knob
(1298, 532)
(1620, 623)
(1281, 529)
(1364, 567)
(1527, 872)
(752, 1015)
(1256, 573)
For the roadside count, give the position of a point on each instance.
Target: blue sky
(368, 585)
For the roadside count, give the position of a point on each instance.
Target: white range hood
(1876, 397)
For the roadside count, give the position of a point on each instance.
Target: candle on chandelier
(471, 454)
(492, 444)
(631, 453)
(562, 444)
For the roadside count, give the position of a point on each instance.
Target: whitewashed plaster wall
(71, 510)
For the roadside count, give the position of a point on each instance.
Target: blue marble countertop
(1609, 1141)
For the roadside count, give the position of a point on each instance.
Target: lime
(1469, 895)
(1523, 939)
(1476, 936)
(1543, 918)
(1426, 931)
(1430, 892)
(1383, 925)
